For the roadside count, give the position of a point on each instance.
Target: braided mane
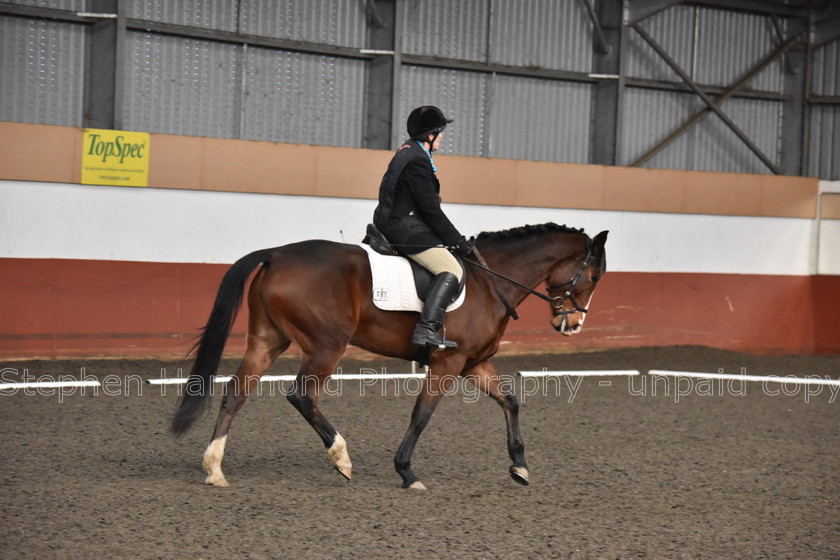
(526, 231)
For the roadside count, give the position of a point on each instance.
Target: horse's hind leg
(261, 352)
(486, 378)
(304, 397)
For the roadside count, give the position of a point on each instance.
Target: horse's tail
(208, 350)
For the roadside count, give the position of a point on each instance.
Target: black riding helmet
(425, 120)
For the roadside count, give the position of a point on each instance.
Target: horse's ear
(600, 240)
(598, 250)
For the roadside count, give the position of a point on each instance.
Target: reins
(556, 301)
(483, 264)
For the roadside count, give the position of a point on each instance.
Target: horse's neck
(528, 260)
(524, 266)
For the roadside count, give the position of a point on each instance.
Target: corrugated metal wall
(179, 83)
(447, 28)
(541, 34)
(674, 30)
(205, 88)
(732, 43)
(642, 132)
(542, 120)
(330, 22)
(303, 98)
(208, 14)
(462, 95)
(717, 147)
(536, 34)
(714, 48)
(824, 137)
(181, 86)
(707, 146)
(41, 71)
(74, 5)
(500, 115)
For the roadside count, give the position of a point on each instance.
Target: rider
(410, 217)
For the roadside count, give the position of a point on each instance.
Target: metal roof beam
(637, 10)
(754, 7)
(719, 100)
(826, 31)
(608, 91)
(706, 99)
(379, 81)
(38, 12)
(600, 41)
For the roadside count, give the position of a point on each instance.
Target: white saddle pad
(393, 283)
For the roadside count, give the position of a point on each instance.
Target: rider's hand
(464, 246)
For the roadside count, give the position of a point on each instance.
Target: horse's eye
(595, 279)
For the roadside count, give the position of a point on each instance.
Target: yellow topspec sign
(115, 157)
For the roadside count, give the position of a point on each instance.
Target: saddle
(422, 277)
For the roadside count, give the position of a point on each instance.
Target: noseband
(555, 301)
(558, 301)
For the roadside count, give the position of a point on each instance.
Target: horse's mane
(527, 231)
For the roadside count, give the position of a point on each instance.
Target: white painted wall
(829, 236)
(49, 220)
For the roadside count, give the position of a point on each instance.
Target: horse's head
(572, 282)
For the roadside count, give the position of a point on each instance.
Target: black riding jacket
(409, 212)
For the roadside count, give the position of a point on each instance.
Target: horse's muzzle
(562, 324)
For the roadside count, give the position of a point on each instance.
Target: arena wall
(744, 262)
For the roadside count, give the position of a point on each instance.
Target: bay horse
(317, 294)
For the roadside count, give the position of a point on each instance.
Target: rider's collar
(428, 153)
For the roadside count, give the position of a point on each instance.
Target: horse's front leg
(486, 378)
(434, 387)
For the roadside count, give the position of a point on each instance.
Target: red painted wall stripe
(60, 308)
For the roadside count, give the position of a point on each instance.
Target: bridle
(557, 302)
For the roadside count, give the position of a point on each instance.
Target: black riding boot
(442, 292)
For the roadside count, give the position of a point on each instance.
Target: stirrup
(442, 344)
(436, 342)
(446, 344)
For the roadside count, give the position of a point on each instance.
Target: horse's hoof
(346, 472)
(217, 480)
(339, 457)
(520, 475)
(417, 485)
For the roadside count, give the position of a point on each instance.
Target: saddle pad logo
(380, 294)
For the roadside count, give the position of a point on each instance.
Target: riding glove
(464, 246)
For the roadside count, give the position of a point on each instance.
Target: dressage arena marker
(739, 377)
(580, 373)
(46, 384)
(347, 376)
(419, 375)
(273, 378)
(377, 376)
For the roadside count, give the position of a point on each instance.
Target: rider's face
(436, 143)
